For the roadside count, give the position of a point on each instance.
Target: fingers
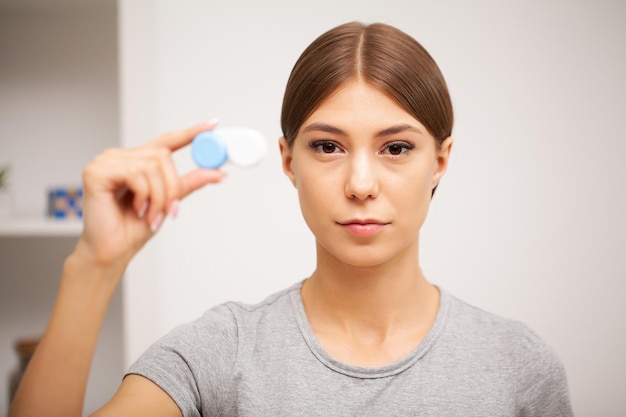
(146, 176)
(154, 183)
(163, 185)
(142, 178)
(177, 139)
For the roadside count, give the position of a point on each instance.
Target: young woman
(367, 124)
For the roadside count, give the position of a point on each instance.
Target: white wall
(58, 93)
(528, 223)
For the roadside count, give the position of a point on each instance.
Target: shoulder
(474, 326)
(222, 325)
(484, 328)
(275, 307)
(224, 320)
(535, 369)
(194, 362)
(542, 387)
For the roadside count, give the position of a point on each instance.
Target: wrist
(85, 268)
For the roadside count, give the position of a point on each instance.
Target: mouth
(363, 227)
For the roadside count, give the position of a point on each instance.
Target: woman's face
(364, 169)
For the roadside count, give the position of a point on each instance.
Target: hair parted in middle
(379, 54)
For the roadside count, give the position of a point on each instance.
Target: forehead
(357, 104)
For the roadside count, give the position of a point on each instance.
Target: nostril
(362, 190)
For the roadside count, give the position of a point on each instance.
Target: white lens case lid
(241, 146)
(246, 146)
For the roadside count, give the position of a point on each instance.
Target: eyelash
(405, 147)
(317, 145)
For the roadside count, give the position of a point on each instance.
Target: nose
(362, 179)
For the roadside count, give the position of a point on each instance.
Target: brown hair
(380, 54)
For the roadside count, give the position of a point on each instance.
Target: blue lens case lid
(208, 151)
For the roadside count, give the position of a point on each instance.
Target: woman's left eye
(397, 148)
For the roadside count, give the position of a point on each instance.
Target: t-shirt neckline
(368, 372)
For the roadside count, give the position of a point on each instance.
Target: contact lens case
(240, 146)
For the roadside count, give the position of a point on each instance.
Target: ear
(286, 154)
(443, 156)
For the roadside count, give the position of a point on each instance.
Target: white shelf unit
(39, 227)
(59, 107)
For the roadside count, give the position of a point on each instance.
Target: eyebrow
(399, 129)
(323, 127)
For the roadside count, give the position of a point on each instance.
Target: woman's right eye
(325, 146)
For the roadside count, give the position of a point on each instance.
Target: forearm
(126, 194)
(54, 383)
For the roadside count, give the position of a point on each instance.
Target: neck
(379, 297)
(369, 316)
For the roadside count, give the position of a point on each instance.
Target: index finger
(179, 138)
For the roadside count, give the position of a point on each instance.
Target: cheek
(315, 193)
(412, 194)
(415, 180)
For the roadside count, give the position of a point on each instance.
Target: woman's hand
(129, 192)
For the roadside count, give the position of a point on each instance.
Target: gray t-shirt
(264, 360)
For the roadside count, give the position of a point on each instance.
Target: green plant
(4, 174)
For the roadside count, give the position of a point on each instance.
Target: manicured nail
(213, 121)
(143, 210)
(174, 208)
(157, 222)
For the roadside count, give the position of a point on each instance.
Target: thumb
(198, 178)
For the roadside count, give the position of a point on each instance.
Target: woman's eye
(328, 147)
(398, 148)
(325, 147)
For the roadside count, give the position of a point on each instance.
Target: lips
(363, 227)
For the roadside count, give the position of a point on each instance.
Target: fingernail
(213, 121)
(142, 211)
(174, 208)
(157, 222)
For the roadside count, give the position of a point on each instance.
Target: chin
(362, 257)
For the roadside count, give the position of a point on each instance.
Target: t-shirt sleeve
(542, 383)
(194, 362)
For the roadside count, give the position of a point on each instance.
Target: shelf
(39, 226)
